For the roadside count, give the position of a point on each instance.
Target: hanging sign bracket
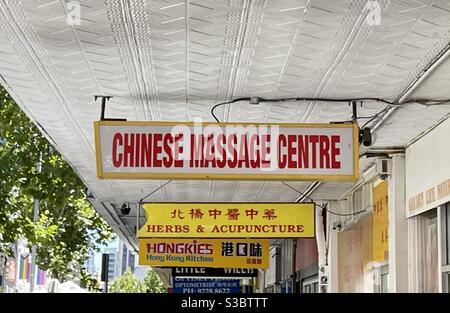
(102, 116)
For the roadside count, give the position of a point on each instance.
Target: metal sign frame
(141, 232)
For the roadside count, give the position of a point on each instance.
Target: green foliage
(67, 227)
(153, 283)
(129, 283)
(89, 282)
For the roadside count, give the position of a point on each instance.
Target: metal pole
(103, 108)
(138, 216)
(33, 248)
(105, 270)
(4, 259)
(18, 256)
(355, 111)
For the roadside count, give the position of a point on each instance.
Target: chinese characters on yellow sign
(380, 222)
(228, 220)
(233, 253)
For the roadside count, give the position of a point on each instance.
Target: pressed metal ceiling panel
(330, 190)
(173, 60)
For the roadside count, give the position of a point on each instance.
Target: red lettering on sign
(197, 151)
(128, 150)
(168, 159)
(303, 151)
(291, 151)
(178, 151)
(243, 152)
(335, 152)
(222, 159)
(282, 159)
(210, 152)
(157, 138)
(117, 157)
(324, 152)
(254, 151)
(313, 139)
(265, 150)
(231, 151)
(146, 148)
(136, 150)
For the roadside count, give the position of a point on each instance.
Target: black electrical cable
(160, 187)
(259, 100)
(301, 193)
(227, 102)
(427, 102)
(327, 99)
(376, 115)
(323, 207)
(350, 214)
(373, 116)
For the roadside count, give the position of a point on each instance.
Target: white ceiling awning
(173, 60)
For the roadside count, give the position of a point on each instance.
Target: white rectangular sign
(181, 150)
(428, 183)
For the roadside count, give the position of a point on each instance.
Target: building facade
(428, 211)
(389, 233)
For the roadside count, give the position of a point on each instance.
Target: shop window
(445, 282)
(286, 286)
(310, 285)
(423, 252)
(278, 288)
(384, 283)
(445, 232)
(298, 286)
(380, 274)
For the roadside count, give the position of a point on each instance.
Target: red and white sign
(226, 151)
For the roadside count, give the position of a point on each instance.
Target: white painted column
(322, 252)
(333, 257)
(398, 230)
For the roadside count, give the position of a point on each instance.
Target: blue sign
(205, 285)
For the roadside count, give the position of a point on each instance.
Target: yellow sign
(232, 253)
(380, 222)
(228, 220)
